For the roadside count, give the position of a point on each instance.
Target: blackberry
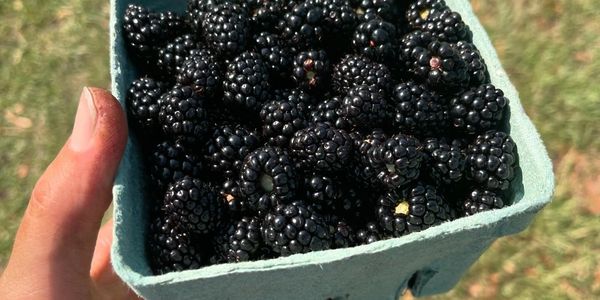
(202, 72)
(275, 54)
(478, 109)
(339, 17)
(370, 234)
(321, 147)
(241, 240)
(303, 26)
(234, 199)
(362, 170)
(437, 63)
(354, 70)
(281, 119)
(311, 70)
(303, 100)
(329, 111)
(143, 103)
(376, 39)
(421, 12)
(173, 24)
(418, 110)
(246, 84)
(225, 29)
(343, 236)
(172, 56)
(388, 10)
(183, 116)
(445, 161)
(171, 247)
(295, 228)
(491, 160)
(397, 161)
(476, 66)
(171, 161)
(143, 30)
(412, 209)
(265, 15)
(197, 10)
(365, 106)
(194, 204)
(323, 192)
(267, 178)
(227, 147)
(448, 26)
(481, 200)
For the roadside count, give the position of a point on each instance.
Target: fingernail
(85, 121)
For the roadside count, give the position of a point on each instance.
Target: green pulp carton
(427, 262)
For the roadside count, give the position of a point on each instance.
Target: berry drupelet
(246, 85)
(296, 228)
(170, 162)
(376, 39)
(226, 30)
(311, 70)
(183, 115)
(481, 200)
(491, 160)
(227, 147)
(143, 103)
(354, 70)
(478, 109)
(267, 178)
(412, 209)
(202, 72)
(397, 161)
(365, 106)
(194, 204)
(280, 120)
(321, 147)
(171, 247)
(418, 110)
(444, 160)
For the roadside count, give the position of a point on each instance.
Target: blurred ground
(551, 48)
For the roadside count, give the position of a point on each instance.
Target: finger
(105, 280)
(62, 219)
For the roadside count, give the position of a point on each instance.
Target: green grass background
(551, 49)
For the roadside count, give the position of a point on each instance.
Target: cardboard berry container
(427, 262)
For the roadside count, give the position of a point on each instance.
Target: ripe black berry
(321, 147)
(479, 109)
(491, 160)
(311, 70)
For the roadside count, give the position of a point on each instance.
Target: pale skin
(60, 250)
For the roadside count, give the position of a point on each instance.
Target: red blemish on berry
(435, 63)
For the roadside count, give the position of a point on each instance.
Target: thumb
(64, 214)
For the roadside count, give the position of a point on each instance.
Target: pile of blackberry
(273, 128)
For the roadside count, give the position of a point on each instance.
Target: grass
(50, 49)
